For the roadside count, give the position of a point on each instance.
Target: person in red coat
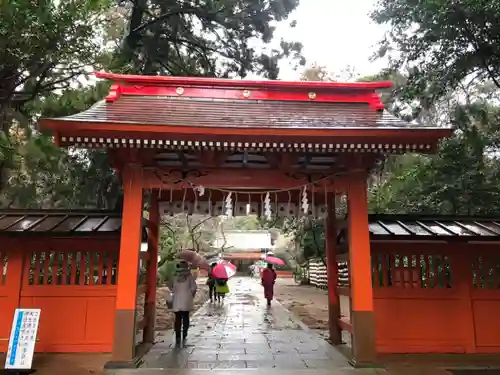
(268, 278)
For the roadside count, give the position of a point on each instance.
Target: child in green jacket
(221, 289)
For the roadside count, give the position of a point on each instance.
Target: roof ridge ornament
(114, 93)
(376, 102)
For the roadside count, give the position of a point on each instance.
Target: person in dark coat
(211, 283)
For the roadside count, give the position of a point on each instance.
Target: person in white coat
(184, 290)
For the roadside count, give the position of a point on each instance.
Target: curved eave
(69, 126)
(231, 83)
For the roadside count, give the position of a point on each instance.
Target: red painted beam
(240, 179)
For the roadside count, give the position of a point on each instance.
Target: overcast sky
(335, 33)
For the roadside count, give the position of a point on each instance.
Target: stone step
(257, 371)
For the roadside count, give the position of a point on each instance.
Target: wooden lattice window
(411, 270)
(73, 268)
(486, 272)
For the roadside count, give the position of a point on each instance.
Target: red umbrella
(224, 270)
(194, 258)
(274, 260)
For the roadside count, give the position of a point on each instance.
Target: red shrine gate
(180, 136)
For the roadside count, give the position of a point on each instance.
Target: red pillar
(332, 272)
(152, 269)
(360, 270)
(123, 354)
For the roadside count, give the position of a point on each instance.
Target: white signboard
(22, 339)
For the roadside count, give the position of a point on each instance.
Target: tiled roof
(242, 256)
(435, 228)
(57, 222)
(181, 111)
(243, 241)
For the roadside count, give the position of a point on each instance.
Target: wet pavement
(243, 333)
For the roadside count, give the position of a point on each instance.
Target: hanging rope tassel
(305, 202)
(229, 206)
(267, 207)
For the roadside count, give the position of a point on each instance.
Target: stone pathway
(244, 333)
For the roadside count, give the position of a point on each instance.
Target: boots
(181, 326)
(178, 341)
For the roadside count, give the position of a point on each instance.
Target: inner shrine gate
(218, 146)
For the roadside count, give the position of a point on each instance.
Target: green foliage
(250, 222)
(166, 272)
(449, 58)
(45, 45)
(461, 179)
(44, 175)
(308, 236)
(442, 43)
(209, 38)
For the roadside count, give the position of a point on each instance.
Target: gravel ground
(306, 302)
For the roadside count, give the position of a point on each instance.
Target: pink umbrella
(274, 260)
(194, 258)
(224, 270)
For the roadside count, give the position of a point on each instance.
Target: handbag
(170, 300)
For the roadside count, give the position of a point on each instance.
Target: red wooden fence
(436, 298)
(73, 281)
